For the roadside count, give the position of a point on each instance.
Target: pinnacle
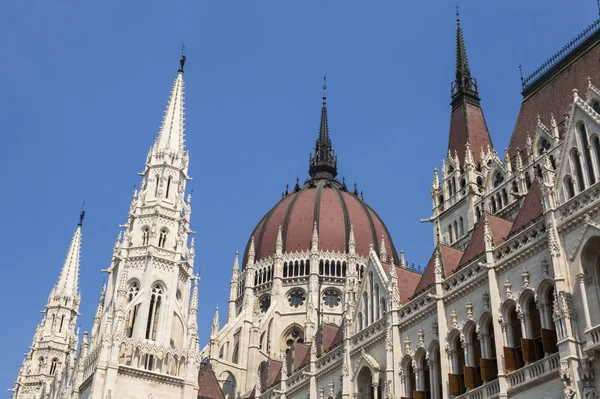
(69, 275)
(171, 137)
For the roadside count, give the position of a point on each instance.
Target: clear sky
(85, 85)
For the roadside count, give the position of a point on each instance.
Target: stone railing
(592, 336)
(534, 372)
(489, 390)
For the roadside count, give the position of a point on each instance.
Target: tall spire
(170, 137)
(465, 86)
(323, 164)
(69, 276)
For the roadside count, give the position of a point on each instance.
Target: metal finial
(82, 214)
(458, 15)
(182, 59)
(325, 88)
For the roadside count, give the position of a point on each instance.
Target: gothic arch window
(544, 146)
(552, 162)
(229, 386)
(498, 179)
(382, 307)
(435, 371)
(473, 356)
(478, 213)
(53, 366)
(504, 197)
(423, 383)
(488, 363)
(569, 186)
(450, 233)
(513, 356)
(154, 312)
(293, 335)
(235, 356)
(178, 295)
(596, 143)
(493, 202)
(262, 341)
(596, 106)
(410, 384)
(456, 379)
(586, 152)
(479, 181)
(130, 321)
(462, 226)
(62, 321)
(533, 328)
(366, 308)
(360, 321)
(578, 170)
(527, 180)
(134, 289)
(456, 229)
(40, 364)
(157, 183)
(264, 303)
(376, 302)
(162, 238)
(145, 235)
(169, 180)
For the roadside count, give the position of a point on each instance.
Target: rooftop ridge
(528, 82)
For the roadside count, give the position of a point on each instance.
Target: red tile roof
(208, 386)
(467, 123)
(555, 96)
(530, 210)
(499, 229)
(326, 335)
(450, 258)
(274, 372)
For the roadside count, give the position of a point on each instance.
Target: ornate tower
(48, 365)
(147, 329)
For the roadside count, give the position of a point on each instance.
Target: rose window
(296, 298)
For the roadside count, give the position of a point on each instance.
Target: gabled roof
(208, 386)
(499, 229)
(450, 258)
(407, 280)
(530, 210)
(274, 372)
(326, 335)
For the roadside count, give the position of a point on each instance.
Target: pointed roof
(170, 136)
(69, 275)
(467, 123)
(450, 258)
(208, 385)
(499, 228)
(323, 164)
(530, 209)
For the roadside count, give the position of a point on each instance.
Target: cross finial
(82, 214)
(182, 59)
(458, 14)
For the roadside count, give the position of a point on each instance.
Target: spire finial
(464, 84)
(182, 59)
(323, 164)
(81, 215)
(458, 15)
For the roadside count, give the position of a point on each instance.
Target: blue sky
(85, 85)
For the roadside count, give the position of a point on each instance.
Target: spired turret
(48, 366)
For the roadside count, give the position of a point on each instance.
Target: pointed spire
(507, 163)
(279, 243)
(351, 241)
(251, 253)
(171, 137)
(519, 160)
(215, 324)
(69, 275)
(402, 260)
(465, 85)
(469, 162)
(194, 301)
(436, 180)
(236, 266)
(382, 250)
(487, 234)
(99, 310)
(323, 164)
(314, 242)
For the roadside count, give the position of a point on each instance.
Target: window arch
(456, 379)
(366, 308)
(145, 235)
(596, 143)
(462, 226)
(576, 161)
(513, 356)
(596, 106)
(410, 379)
(53, 366)
(527, 180)
(498, 179)
(543, 146)
(488, 363)
(360, 321)
(154, 312)
(162, 238)
(569, 186)
(157, 184)
(229, 386)
(450, 233)
(456, 229)
(134, 289)
(169, 180)
(586, 152)
(472, 369)
(294, 334)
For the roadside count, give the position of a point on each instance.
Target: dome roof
(334, 209)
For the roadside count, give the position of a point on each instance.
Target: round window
(296, 298)
(265, 303)
(332, 298)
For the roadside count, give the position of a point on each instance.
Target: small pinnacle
(324, 89)
(81, 215)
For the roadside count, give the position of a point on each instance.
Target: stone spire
(279, 243)
(235, 272)
(170, 137)
(215, 324)
(251, 253)
(382, 250)
(323, 164)
(193, 317)
(67, 284)
(464, 83)
(351, 241)
(98, 316)
(314, 242)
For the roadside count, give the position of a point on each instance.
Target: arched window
(498, 179)
(479, 181)
(53, 366)
(157, 183)
(296, 298)
(513, 356)
(586, 153)
(544, 146)
(168, 186)
(332, 298)
(134, 289)
(154, 312)
(569, 186)
(478, 213)
(382, 307)
(366, 308)
(145, 235)
(410, 382)
(456, 229)
(578, 170)
(131, 318)
(596, 142)
(527, 180)
(229, 387)
(423, 384)
(435, 372)
(162, 238)
(360, 321)
(596, 106)
(488, 363)
(450, 233)
(456, 379)
(62, 321)
(533, 326)
(473, 370)
(494, 208)
(293, 335)
(504, 197)
(235, 356)
(376, 302)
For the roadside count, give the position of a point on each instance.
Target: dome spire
(323, 164)
(465, 86)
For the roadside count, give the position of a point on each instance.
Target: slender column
(586, 308)
(375, 386)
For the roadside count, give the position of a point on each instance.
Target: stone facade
(506, 307)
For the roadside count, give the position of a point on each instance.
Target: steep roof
(208, 386)
(450, 258)
(530, 210)
(407, 280)
(499, 229)
(551, 91)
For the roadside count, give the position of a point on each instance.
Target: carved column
(586, 308)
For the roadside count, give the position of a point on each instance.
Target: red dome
(335, 210)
